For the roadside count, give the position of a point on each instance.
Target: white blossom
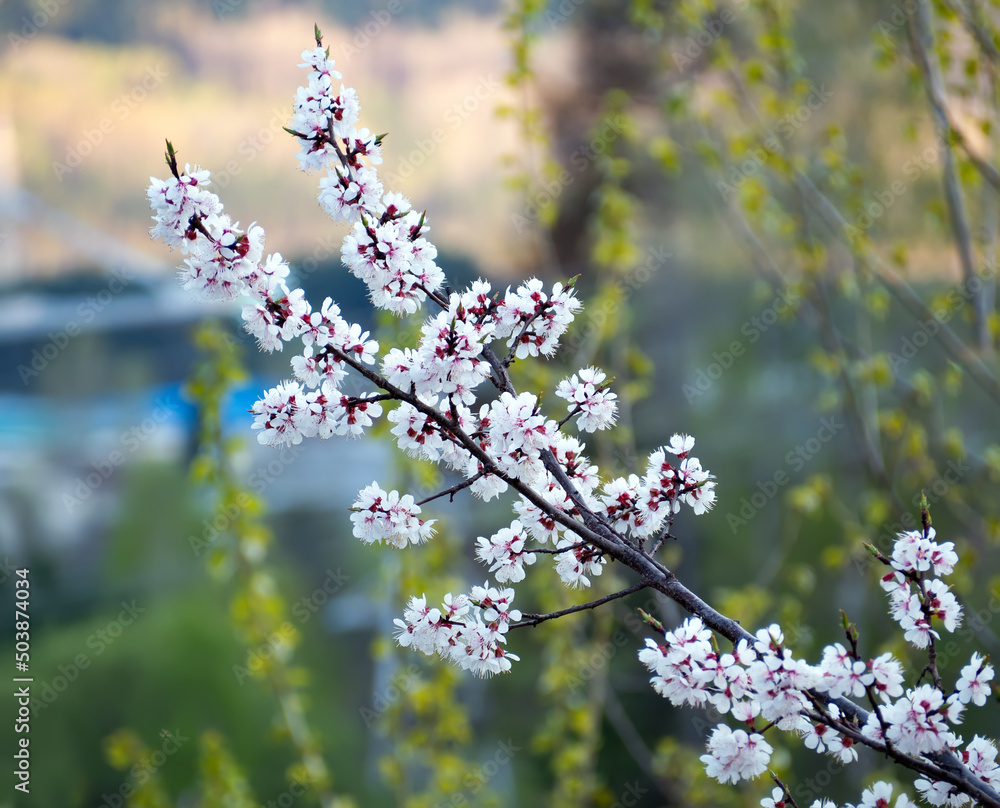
(584, 392)
(386, 516)
(735, 755)
(973, 685)
(915, 725)
(504, 552)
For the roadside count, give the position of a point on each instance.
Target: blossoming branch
(451, 401)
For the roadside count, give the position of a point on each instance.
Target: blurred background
(129, 629)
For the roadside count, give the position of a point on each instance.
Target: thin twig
(574, 411)
(790, 799)
(524, 330)
(637, 747)
(450, 492)
(535, 619)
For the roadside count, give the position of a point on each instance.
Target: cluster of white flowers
(736, 755)
(878, 796)
(640, 506)
(588, 395)
(568, 453)
(916, 723)
(287, 413)
(385, 248)
(766, 681)
(177, 202)
(915, 597)
(518, 434)
(437, 413)
(535, 321)
(576, 562)
(504, 552)
(979, 757)
(468, 630)
(386, 516)
(974, 683)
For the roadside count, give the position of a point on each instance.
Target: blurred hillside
(88, 96)
(86, 102)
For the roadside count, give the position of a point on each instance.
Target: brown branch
(922, 42)
(524, 330)
(943, 769)
(557, 551)
(575, 411)
(932, 665)
(790, 799)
